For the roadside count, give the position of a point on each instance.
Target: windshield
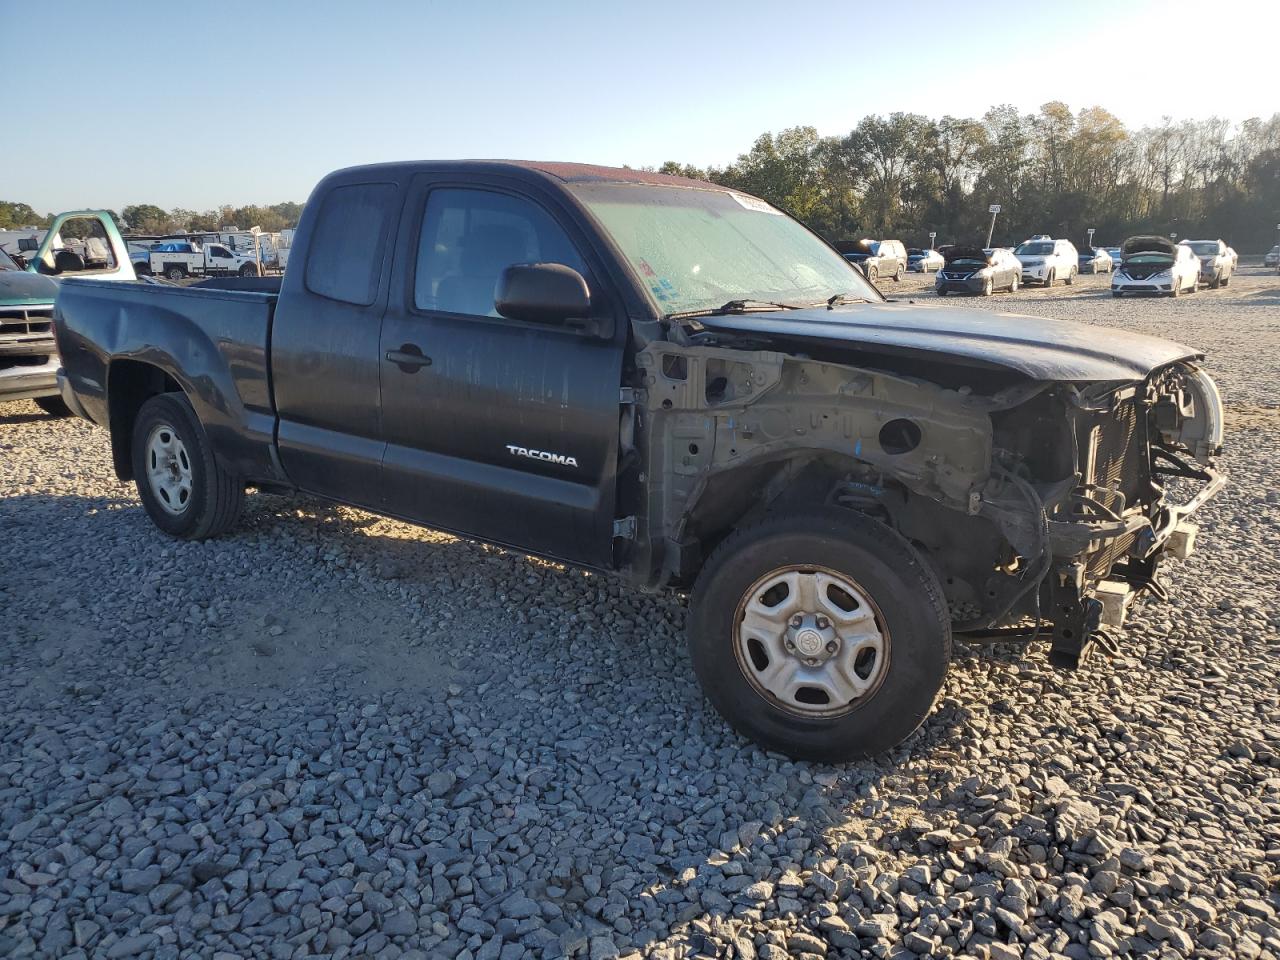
(698, 249)
(6, 262)
(1204, 248)
(1033, 249)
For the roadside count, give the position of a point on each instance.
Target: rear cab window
(349, 240)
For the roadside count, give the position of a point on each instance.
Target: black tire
(1226, 281)
(175, 272)
(1048, 279)
(910, 611)
(1015, 283)
(1176, 290)
(987, 287)
(249, 270)
(1116, 293)
(940, 291)
(873, 274)
(141, 270)
(53, 406)
(1071, 277)
(215, 496)
(897, 276)
(1216, 282)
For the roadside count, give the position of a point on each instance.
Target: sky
(197, 105)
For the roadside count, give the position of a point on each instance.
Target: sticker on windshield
(751, 203)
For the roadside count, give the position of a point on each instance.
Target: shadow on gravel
(16, 419)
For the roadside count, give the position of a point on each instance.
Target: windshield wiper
(843, 298)
(734, 306)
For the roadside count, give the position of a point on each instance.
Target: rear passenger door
(325, 363)
(505, 430)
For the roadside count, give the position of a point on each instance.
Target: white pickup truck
(177, 259)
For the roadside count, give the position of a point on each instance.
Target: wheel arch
(130, 384)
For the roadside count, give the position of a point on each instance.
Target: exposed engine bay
(1042, 506)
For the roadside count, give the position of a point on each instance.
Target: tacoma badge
(559, 458)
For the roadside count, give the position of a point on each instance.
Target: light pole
(991, 232)
(932, 235)
(1278, 248)
(1091, 230)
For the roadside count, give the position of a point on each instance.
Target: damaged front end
(1042, 505)
(1093, 488)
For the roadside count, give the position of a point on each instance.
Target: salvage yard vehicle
(674, 381)
(1095, 260)
(179, 259)
(1155, 265)
(924, 261)
(28, 353)
(978, 270)
(878, 258)
(1216, 261)
(1047, 261)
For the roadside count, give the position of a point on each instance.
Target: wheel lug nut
(812, 662)
(788, 644)
(831, 647)
(823, 623)
(797, 620)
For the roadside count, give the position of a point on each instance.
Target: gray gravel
(336, 735)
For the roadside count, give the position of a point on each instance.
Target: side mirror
(542, 293)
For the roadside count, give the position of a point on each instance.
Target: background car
(1095, 260)
(978, 270)
(1272, 258)
(1216, 264)
(878, 258)
(1114, 254)
(1156, 265)
(924, 261)
(1047, 261)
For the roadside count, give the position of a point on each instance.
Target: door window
(348, 241)
(470, 236)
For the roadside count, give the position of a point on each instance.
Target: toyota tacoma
(676, 382)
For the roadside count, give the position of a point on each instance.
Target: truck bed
(212, 342)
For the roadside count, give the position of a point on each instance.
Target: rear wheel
(820, 634)
(897, 276)
(1071, 277)
(184, 489)
(1015, 283)
(175, 273)
(873, 274)
(53, 406)
(249, 270)
(1226, 281)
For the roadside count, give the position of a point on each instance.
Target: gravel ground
(336, 735)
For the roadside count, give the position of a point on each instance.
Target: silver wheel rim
(169, 469)
(811, 640)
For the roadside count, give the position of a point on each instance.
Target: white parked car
(1272, 257)
(1216, 261)
(1156, 265)
(1047, 261)
(924, 261)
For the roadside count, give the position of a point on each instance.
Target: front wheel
(940, 291)
(1071, 277)
(823, 635)
(183, 488)
(873, 274)
(1048, 279)
(897, 276)
(987, 287)
(1015, 283)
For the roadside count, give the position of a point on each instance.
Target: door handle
(409, 357)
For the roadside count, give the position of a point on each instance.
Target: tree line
(1053, 171)
(905, 175)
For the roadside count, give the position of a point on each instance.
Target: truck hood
(20, 289)
(1034, 347)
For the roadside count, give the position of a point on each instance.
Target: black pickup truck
(675, 381)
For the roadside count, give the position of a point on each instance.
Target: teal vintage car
(78, 243)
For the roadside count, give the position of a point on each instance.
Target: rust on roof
(589, 172)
